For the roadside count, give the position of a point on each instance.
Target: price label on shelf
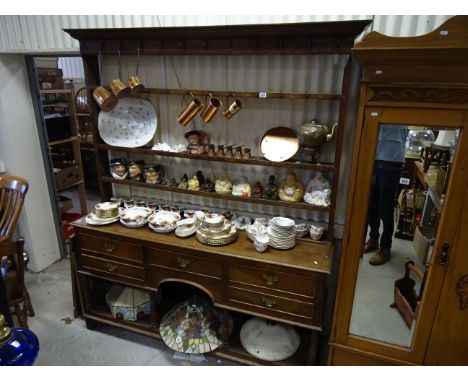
(404, 181)
(262, 95)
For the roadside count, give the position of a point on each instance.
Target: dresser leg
(224, 330)
(154, 312)
(312, 360)
(90, 324)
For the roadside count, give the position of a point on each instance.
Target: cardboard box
(423, 237)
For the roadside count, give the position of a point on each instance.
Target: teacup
(260, 247)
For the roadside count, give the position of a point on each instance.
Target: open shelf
(259, 161)
(61, 141)
(244, 94)
(280, 203)
(56, 91)
(233, 351)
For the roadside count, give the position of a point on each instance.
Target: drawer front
(273, 280)
(184, 263)
(114, 248)
(93, 263)
(67, 176)
(270, 304)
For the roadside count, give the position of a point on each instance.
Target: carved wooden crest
(431, 95)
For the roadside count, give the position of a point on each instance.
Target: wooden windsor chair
(12, 192)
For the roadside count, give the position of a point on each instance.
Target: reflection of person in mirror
(389, 161)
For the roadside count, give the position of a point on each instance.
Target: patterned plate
(94, 220)
(132, 123)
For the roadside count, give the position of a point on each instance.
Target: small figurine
(208, 186)
(183, 182)
(257, 191)
(200, 177)
(242, 188)
(173, 182)
(118, 168)
(135, 170)
(238, 154)
(197, 140)
(318, 191)
(291, 189)
(194, 184)
(270, 190)
(223, 185)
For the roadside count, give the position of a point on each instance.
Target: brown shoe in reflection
(380, 257)
(371, 245)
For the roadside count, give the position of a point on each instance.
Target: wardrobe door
(448, 344)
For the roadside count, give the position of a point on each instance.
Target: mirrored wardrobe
(402, 293)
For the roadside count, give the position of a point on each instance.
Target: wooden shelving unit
(70, 175)
(257, 161)
(325, 38)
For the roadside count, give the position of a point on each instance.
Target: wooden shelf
(244, 94)
(65, 140)
(233, 351)
(259, 161)
(56, 91)
(279, 203)
(70, 186)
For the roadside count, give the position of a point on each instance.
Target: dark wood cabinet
(287, 286)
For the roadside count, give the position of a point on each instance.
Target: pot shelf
(244, 94)
(278, 203)
(259, 161)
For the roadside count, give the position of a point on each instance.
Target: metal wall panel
(43, 33)
(72, 67)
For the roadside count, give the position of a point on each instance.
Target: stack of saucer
(216, 230)
(281, 233)
(104, 213)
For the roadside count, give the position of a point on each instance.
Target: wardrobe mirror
(410, 176)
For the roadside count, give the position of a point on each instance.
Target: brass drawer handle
(270, 279)
(111, 267)
(269, 302)
(110, 247)
(183, 262)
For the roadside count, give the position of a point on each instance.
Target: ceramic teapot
(311, 136)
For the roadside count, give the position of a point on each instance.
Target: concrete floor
(372, 315)
(65, 341)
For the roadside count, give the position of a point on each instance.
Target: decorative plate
(269, 340)
(185, 230)
(162, 228)
(132, 123)
(163, 218)
(94, 220)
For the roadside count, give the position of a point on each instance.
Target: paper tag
(262, 95)
(404, 181)
(374, 114)
(379, 72)
(444, 33)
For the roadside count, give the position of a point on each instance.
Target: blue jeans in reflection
(385, 185)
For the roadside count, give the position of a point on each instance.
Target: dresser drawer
(270, 304)
(273, 280)
(110, 247)
(93, 263)
(184, 263)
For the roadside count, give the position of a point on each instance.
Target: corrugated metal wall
(42, 33)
